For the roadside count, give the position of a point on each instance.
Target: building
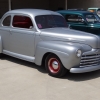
(6, 5)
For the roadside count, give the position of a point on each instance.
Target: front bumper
(85, 69)
(90, 61)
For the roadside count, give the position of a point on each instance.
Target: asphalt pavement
(21, 80)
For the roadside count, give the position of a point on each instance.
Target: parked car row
(42, 37)
(82, 20)
(95, 10)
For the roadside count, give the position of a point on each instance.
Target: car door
(76, 22)
(22, 38)
(5, 32)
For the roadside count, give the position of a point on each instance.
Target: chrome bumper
(84, 69)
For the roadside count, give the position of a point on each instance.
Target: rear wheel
(54, 66)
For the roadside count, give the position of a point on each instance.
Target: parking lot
(21, 80)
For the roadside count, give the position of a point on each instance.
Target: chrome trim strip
(20, 56)
(90, 59)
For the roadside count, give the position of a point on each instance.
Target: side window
(98, 11)
(6, 21)
(74, 18)
(22, 22)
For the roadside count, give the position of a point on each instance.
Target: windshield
(50, 21)
(92, 10)
(92, 18)
(98, 12)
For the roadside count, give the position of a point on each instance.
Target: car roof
(94, 8)
(74, 12)
(33, 12)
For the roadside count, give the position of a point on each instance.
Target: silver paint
(0, 45)
(32, 44)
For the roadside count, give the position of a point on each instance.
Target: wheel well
(44, 57)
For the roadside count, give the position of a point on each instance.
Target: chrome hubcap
(55, 65)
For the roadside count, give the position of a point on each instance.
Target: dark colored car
(82, 20)
(96, 10)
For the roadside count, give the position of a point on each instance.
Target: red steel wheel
(54, 66)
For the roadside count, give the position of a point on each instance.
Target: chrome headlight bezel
(79, 53)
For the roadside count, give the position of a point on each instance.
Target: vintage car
(42, 37)
(82, 20)
(95, 10)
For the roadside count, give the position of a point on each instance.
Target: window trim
(3, 18)
(33, 28)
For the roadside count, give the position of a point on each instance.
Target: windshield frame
(55, 22)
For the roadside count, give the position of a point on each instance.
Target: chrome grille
(90, 60)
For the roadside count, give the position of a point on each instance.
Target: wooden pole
(9, 4)
(66, 4)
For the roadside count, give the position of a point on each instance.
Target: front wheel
(54, 66)
(0, 55)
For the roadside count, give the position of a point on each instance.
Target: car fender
(0, 45)
(65, 51)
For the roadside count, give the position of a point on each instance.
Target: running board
(19, 56)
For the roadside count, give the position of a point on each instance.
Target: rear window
(92, 10)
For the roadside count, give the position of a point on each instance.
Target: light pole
(9, 2)
(66, 4)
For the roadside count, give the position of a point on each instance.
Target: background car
(82, 20)
(96, 10)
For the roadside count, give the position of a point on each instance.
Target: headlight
(79, 53)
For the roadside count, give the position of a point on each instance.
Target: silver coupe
(42, 37)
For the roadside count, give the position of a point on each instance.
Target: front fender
(65, 51)
(0, 45)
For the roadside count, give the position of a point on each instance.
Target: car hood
(69, 35)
